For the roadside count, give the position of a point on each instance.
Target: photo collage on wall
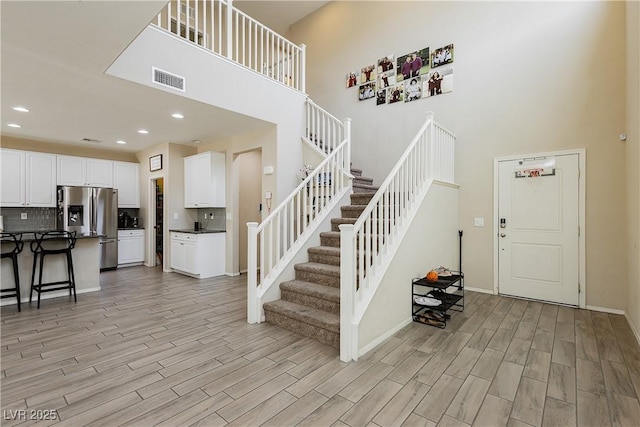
(415, 75)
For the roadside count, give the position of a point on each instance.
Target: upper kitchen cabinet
(28, 179)
(204, 180)
(80, 171)
(127, 182)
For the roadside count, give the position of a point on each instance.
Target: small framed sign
(155, 163)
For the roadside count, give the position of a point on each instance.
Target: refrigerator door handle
(94, 212)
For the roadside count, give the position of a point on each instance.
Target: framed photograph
(368, 74)
(155, 163)
(442, 56)
(366, 91)
(352, 79)
(413, 64)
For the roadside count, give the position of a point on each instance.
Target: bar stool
(11, 246)
(53, 243)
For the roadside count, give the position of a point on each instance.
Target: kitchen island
(86, 263)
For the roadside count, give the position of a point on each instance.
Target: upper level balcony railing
(221, 28)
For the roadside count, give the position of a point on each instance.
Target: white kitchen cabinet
(127, 182)
(130, 247)
(204, 180)
(198, 255)
(82, 171)
(28, 179)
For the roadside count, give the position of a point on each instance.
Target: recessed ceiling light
(177, 116)
(143, 131)
(21, 109)
(121, 142)
(14, 125)
(196, 141)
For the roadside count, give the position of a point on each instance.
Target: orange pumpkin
(432, 276)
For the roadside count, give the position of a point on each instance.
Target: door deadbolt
(502, 235)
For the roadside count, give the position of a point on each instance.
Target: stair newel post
(303, 68)
(253, 305)
(348, 334)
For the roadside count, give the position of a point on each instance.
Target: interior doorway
(157, 242)
(249, 167)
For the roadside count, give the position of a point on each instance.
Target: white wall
(241, 91)
(528, 77)
(431, 241)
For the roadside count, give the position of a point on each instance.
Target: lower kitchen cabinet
(199, 255)
(130, 247)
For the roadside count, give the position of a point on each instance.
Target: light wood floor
(165, 349)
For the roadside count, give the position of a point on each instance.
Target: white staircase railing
(221, 28)
(273, 243)
(324, 131)
(366, 246)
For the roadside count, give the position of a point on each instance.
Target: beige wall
(528, 77)
(632, 156)
(66, 149)
(249, 198)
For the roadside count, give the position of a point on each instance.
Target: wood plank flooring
(154, 348)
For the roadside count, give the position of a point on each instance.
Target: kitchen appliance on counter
(91, 210)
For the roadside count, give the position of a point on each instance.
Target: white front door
(538, 234)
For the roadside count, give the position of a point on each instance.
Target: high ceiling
(54, 54)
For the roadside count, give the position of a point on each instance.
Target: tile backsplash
(37, 219)
(218, 222)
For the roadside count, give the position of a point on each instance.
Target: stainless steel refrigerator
(91, 211)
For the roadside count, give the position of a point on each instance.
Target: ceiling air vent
(95, 141)
(167, 79)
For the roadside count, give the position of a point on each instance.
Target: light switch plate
(478, 222)
(23, 215)
(176, 215)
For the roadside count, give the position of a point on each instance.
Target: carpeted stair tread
(363, 180)
(325, 250)
(360, 188)
(314, 267)
(312, 289)
(356, 172)
(310, 316)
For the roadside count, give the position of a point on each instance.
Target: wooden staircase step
(314, 295)
(307, 321)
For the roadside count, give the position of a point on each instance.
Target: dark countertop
(130, 228)
(192, 231)
(29, 236)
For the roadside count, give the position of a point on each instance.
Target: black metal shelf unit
(449, 291)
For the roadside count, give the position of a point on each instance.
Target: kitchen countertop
(130, 228)
(29, 236)
(192, 231)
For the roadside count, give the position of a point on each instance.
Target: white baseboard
(633, 328)
(364, 350)
(605, 309)
(48, 295)
(232, 274)
(481, 290)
